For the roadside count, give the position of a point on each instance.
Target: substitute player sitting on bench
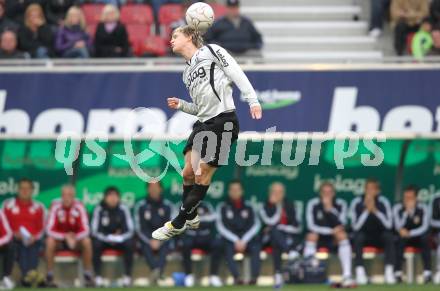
(411, 221)
(326, 218)
(238, 224)
(372, 221)
(112, 228)
(281, 227)
(149, 214)
(68, 229)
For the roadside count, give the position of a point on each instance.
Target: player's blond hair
(192, 32)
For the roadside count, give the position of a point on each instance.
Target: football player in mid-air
(208, 77)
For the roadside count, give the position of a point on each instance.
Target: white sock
(344, 253)
(310, 249)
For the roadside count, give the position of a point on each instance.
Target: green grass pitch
(402, 287)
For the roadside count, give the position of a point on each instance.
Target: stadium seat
(198, 255)
(410, 256)
(69, 257)
(137, 14)
(219, 10)
(153, 45)
(92, 13)
(368, 251)
(137, 34)
(111, 255)
(66, 256)
(168, 14)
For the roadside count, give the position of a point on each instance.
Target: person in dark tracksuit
(112, 228)
(281, 227)
(149, 214)
(238, 224)
(203, 238)
(372, 221)
(411, 222)
(435, 223)
(326, 219)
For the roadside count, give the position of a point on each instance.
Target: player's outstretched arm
(179, 104)
(236, 74)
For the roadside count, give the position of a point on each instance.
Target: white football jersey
(208, 77)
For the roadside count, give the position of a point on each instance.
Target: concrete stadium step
(324, 56)
(286, 44)
(278, 13)
(295, 2)
(307, 28)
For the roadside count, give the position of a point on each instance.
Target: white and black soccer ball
(200, 15)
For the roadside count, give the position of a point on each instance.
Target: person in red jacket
(68, 229)
(6, 251)
(26, 218)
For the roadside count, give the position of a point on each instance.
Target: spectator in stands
(406, 17)
(411, 222)
(150, 214)
(372, 221)
(378, 8)
(326, 219)
(35, 36)
(112, 228)
(56, 10)
(435, 223)
(422, 42)
(435, 13)
(5, 22)
(27, 219)
(111, 38)
(238, 224)
(435, 18)
(15, 9)
(203, 238)
(72, 40)
(8, 46)
(6, 251)
(281, 227)
(68, 229)
(235, 32)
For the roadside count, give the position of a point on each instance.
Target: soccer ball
(200, 15)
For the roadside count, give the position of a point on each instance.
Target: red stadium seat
(67, 253)
(153, 45)
(112, 253)
(198, 252)
(169, 13)
(268, 250)
(219, 10)
(92, 12)
(197, 255)
(372, 250)
(137, 14)
(137, 34)
(412, 250)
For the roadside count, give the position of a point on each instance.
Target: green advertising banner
(300, 164)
